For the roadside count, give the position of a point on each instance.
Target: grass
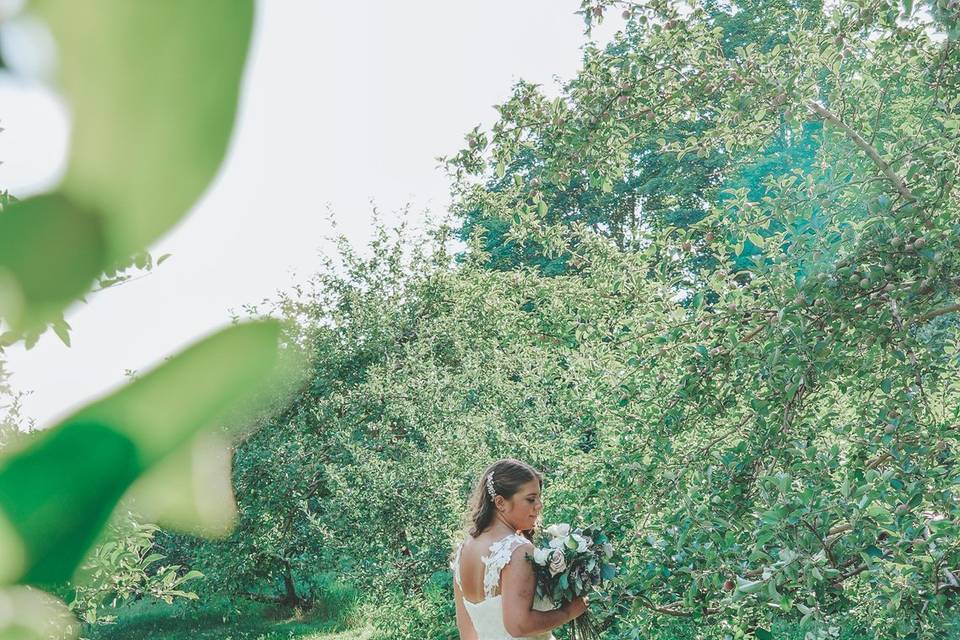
(222, 620)
(244, 620)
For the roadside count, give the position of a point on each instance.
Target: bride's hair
(508, 476)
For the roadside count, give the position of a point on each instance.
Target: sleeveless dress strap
(500, 552)
(455, 566)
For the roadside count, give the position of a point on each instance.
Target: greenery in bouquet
(568, 564)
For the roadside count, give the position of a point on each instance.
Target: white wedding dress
(487, 615)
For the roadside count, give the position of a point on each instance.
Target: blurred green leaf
(153, 88)
(50, 252)
(62, 328)
(58, 498)
(165, 408)
(190, 490)
(29, 614)
(151, 126)
(57, 492)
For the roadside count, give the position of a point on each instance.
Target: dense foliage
(710, 289)
(126, 568)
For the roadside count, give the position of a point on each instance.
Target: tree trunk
(291, 596)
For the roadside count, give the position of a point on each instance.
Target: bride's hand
(575, 607)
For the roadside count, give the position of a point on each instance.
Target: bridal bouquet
(568, 564)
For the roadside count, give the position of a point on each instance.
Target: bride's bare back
(494, 591)
(473, 552)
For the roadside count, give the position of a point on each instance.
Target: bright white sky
(344, 103)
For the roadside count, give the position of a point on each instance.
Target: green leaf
(58, 500)
(57, 492)
(153, 90)
(168, 493)
(763, 634)
(190, 575)
(51, 250)
(62, 329)
(757, 240)
(764, 536)
(608, 571)
(879, 513)
(748, 586)
(30, 614)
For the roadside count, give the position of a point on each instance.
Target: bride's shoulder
(515, 550)
(484, 545)
(464, 545)
(511, 546)
(521, 545)
(515, 540)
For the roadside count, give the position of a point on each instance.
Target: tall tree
(652, 189)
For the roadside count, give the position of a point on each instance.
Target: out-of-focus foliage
(59, 485)
(150, 127)
(30, 614)
(134, 266)
(152, 88)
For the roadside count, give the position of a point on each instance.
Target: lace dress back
(487, 615)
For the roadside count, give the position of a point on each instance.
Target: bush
(331, 598)
(427, 615)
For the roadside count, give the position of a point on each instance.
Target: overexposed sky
(344, 103)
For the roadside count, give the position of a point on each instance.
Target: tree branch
(930, 315)
(873, 463)
(866, 147)
(846, 576)
(876, 124)
(709, 611)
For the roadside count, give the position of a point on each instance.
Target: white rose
(559, 543)
(541, 556)
(544, 603)
(582, 542)
(557, 562)
(560, 530)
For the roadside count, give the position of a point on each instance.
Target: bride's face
(524, 507)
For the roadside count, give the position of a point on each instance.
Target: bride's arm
(518, 584)
(467, 632)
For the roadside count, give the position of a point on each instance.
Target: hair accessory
(490, 489)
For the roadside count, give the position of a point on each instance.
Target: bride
(494, 584)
